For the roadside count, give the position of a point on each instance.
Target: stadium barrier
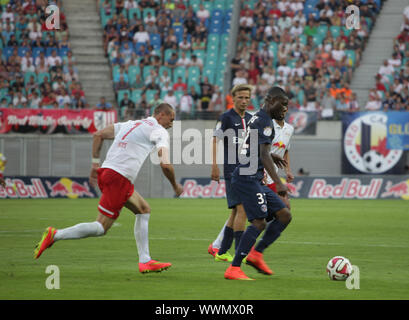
(54, 120)
(342, 187)
(47, 187)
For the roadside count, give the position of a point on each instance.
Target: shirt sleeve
(220, 127)
(160, 138)
(117, 127)
(265, 131)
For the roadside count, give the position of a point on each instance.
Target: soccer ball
(373, 161)
(339, 268)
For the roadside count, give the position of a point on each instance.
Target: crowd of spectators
(157, 53)
(37, 67)
(304, 47)
(391, 92)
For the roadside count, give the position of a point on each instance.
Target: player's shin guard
(248, 239)
(273, 231)
(79, 231)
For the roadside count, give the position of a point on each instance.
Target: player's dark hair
(163, 107)
(274, 92)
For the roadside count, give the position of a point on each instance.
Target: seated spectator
(19, 99)
(183, 61)
(103, 104)
(179, 85)
(185, 44)
(196, 62)
(186, 105)
(373, 104)
(171, 99)
(216, 103)
(310, 96)
(121, 84)
(172, 61)
(141, 36)
(63, 99)
(126, 107)
(202, 14)
(386, 68)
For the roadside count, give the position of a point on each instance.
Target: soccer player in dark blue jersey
(255, 156)
(231, 127)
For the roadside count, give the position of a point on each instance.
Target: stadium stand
(304, 47)
(391, 92)
(174, 51)
(37, 66)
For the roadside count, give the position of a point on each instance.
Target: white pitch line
(24, 233)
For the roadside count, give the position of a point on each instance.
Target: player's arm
(168, 170)
(97, 141)
(215, 168)
(290, 176)
(268, 164)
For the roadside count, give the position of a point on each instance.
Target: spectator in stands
(121, 84)
(179, 85)
(126, 106)
(171, 99)
(310, 96)
(373, 104)
(103, 104)
(172, 61)
(186, 105)
(185, 44)
(202, 14)
(183, 60)
(216, 103)
(141, 36)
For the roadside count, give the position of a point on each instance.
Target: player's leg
(228, 234)
(115, 189)
(216, 244)
(282, 217)
(239, 225)
(140, 207)
(255, 206)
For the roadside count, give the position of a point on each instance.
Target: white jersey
(134, 141)
(281, 142)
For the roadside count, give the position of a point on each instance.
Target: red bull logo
(295, 188)
(66, 187)
(397, 190)
(280, 145)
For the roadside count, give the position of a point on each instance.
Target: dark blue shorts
(232, 199)
(258, 200)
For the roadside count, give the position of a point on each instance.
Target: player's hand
(280, 162)
(290, 176)
(282, 189)
(215, 173)
(93, 176)
(178, 189)
(2, 182)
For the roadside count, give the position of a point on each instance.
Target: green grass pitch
(373, 234)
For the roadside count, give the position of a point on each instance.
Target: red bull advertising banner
(54, 120)
(46, 187)
(343, 187)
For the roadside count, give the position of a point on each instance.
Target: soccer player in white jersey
(133, 142)
(280, 146)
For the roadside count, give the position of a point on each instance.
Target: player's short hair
(163, 107)
(275, 92)
(241, 87)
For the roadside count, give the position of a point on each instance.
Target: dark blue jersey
(249, 154)
(231, 128)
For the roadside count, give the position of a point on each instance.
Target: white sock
(79, 231)
(141, 231)
(218, 242)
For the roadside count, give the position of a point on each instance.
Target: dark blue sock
(273, 231)
(248, 239)
(227, 240)
(237, 237)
